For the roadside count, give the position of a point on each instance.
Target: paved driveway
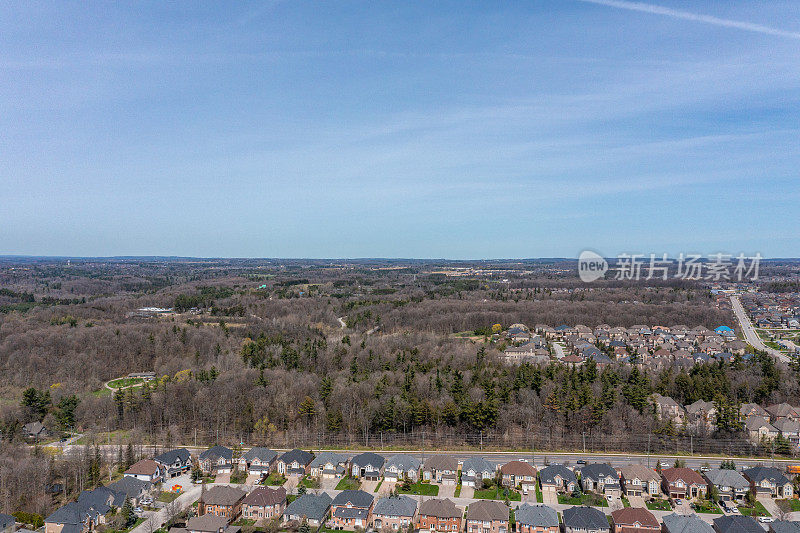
(614, 503)
(368, 486)
(447, 491)
(386, 488)
(636, 501)
(157, 519)
(329, 483)
(222, 478)
(550, 497)
(467, 492)
(770, 505)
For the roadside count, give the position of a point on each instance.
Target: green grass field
(275, 479)
(124, 382)
(348, 483)
(498, 493)
(757, 510)
(584, 499)
(420, 489)
(790, 505)
(659, 505)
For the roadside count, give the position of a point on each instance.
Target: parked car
(580, 462)
(766, 519)
(678, 501)
(663, 464)
(704, 468)
(734, 509)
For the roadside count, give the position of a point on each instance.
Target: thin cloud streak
(685, 15)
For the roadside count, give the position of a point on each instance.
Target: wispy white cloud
(696, 17)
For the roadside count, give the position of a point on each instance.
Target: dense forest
(340, 354)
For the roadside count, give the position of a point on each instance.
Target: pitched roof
(478, 464)
(311, 506)
(130, 486)
(216, 452)
(686, 523)
(583, 517)
(536, 515)
(548, 474)
(356, 498)
(440, 508)
(395, 506)
(727, 478)
(785, 526)
(689, 476)
(639, 471)
(223, 495)
(596, 471)
(441, 462)
(101, 498)
(737, 524)
(403, 462)
(145, 467)
(518, 468)
(206, 522)
(368, 459)
(265, 497)
(630, 516)
(265, 455)
(754, 423)
(782, 409)
(168, 458)
(6, 520)
(757, 474)
(487, 510)
(301, 456)
(328, 457)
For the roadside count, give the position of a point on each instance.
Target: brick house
(487, 516)
(264, 502)
(221, 500)
(439, 515)
(683, 483)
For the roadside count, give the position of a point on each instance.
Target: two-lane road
(750, 333)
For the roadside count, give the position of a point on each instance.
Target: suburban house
(35, 431)
(221, 500)
(769, 480)
(394, 512)
(737, 524)
(439, 515)
(475, 469)
(175, 462)
(557, 478)
(634, 520)
(760, 430)
(7, 523)
(367, 465)
(258, 461)
(783, 410)
(683, 483)
(351, 509)
(519, 474)
(684, 523)
(264, 502)
(784, 526)
(487, 516)
(583, 519)
(133, 488)
(401, 466)
(668, 409)
(730, 484)
(600, 478)
(638, 480)
(294, 463)
(311, 507)
(216, 460)
(789, 429)
(85, 514)
(329, 465)
(702, 414)
(75, 518)
(753, 409)
(441, 469)
(146, 470)
(207, 524)
(536, 519)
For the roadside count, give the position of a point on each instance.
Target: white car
(766, 519)
(663, 464)
(733, 509)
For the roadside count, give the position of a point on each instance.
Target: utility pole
(648, 449)
(583, 434)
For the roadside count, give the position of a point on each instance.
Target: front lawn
(310, 482)
(275, 479)
(757, 510)
(498, 493)
(348, 483)
(586, 498)
(704, 506)
(167, 496)
(238, 477)
(457, 492)
(378, 486)
(539, 494)
(625, 502)
(659, 505)
(788, 506)
(419, 489)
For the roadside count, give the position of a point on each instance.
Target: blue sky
(430, 129)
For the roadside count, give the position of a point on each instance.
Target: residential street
(750, 334)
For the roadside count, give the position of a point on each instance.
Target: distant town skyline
(448, 130)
